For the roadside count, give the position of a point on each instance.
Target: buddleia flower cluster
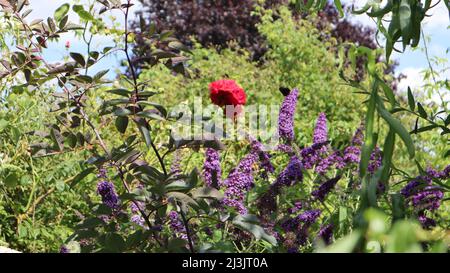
(320, 162)
(286, 116)
(176, 225)
(299, 226)
(107, 190)
(212, 172)
(424, 196)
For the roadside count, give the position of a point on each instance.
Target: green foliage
(37, 205)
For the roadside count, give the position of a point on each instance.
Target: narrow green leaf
(405, 21)
(369, 142)
(338, 5)
(411, 101)
(422, 111)
(388, 152)
(398, 128)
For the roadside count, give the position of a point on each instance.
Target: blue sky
(411, 62)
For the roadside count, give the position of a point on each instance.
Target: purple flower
(267, 203)
(325, 188)
(238, 182)
(63, 249)
(284, 148)
(264, 157)
(326, 233)
(107, 191)
(286, 116)
(426, 222)
(292, 250)
(211, 168)
(358, 137)
(375, 161)
(429, 199)
(321, 131)
(290, 175)
(309, 217)
(290, 224)
(312, 155)
(175, 168)
(423, 196)
(332, 160)
(137, 217)
(297, 206)
(352, 153)
(176, 225)
(138, 220)
(300, 225)
(444, 174)
(415, 185)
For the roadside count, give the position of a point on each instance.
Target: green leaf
(11, 180)
(3, 124)
(422, 111)
(114, 243)
(369, 142)
(207, 192)
(405, 21)
(388, 152)
(398, 207)
(79, 9)
(121, 124)
(387, 91)
(57, 138)
(122, 112)
(120, 92)
(78, 58)
(91, 223)
(79, 177)
(250, 223)
(411, 102)
(398, 128)
(150, 115)
(338, 5)
(145, 131)
(185, 199)
(344, 245)
(176, 245)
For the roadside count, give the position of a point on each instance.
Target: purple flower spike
(325, 188)
(264, 157)
(309, 217)
(176, 225)
(211, 169)
(375, 161)
(238, 182)
(297, 206)
(286, 116)
(290, 175)
(426, 222)
(352, 154)
(326, 233)
(107, 191)
(321, 131)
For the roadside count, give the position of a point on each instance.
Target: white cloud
(413, 78)
(439, 18)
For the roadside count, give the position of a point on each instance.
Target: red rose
(227, 92)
